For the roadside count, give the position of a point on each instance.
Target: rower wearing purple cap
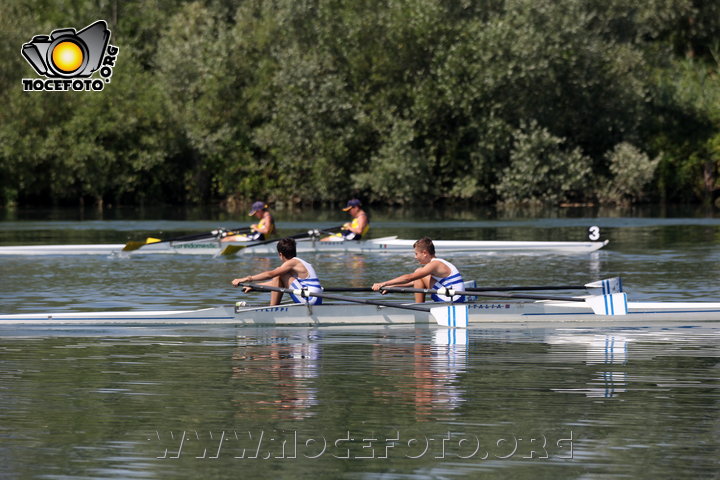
(355, 229)
(260, 230)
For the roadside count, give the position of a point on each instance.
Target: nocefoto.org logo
(67, 59)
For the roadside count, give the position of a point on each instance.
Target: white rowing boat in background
(34, 250)
(394, 244)
(212, 246)
(512, 311)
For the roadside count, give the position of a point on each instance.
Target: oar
(134, 245)
(469, 289)
(608, 304)
(610, 285)
(235, 231)
(452, 315)
(491, 294)
(233, 249)
(305, 293)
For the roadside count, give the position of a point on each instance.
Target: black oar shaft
(528, 288)
(297, 236)
(491, 294)
(275, 240)
(215, 233)
(474, 289)
(232, 248)
(527, 296)
(337, 297)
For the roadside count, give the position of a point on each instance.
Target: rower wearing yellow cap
(355, 229)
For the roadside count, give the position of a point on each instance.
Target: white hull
(360, 314)
(33, 250)
(379, 245)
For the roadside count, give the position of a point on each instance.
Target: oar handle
(348, 289)
(234, 231)
(330, 230)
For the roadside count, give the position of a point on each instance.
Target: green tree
(686, 129)
(543, 170)
(511, 100)
(192, 62)
(632, 170)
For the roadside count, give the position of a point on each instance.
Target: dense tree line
(394, 101)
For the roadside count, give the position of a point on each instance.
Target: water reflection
(429, 381)
(609, 351)
(449, 362)
(344, 269)
(161, 403)
(595, 265)
(356, 264)
(276, 375)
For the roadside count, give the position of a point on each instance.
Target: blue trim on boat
(629, 313)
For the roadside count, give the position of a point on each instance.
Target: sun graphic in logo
(67, 56)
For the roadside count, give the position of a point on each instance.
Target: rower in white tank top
(311, 283)
(453, 281)
(431, 275)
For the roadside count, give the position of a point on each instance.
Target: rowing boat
(212, 246)
(34, 250)
(518, 312)
(394, 244)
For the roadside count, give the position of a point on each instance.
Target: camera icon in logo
(67, 53)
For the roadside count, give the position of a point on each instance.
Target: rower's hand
(254, 227)
(238, 281)
(379, 287)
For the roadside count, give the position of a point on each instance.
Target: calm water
(395, 403)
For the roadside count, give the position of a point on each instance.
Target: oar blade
(232, 249)
(605, 287)
(453, 316)
(131, 246)
(610, 305)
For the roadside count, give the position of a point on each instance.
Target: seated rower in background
(435, 273)
(355, 229)
(260, 230)
(294, 273)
